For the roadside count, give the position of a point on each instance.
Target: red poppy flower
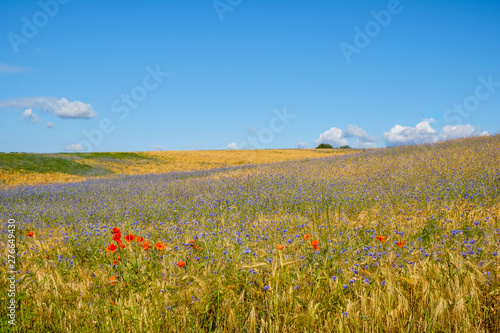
(116, 237)
(115, 231)
(195, 246)
(191, 241)
(380, 238)
(118, 258)
(402, 244)
(280, 247)
(112, 279)
(160, 246)
(129, 238)
(181, 264)
(306, 237)
(146, 246)
(111, 248)
(140, 239)
(30, 234)
(47, 257)
(315, 244)
(114, 262)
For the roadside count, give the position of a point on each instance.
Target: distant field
(32, 169)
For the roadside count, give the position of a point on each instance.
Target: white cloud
(338, 138)
(233, 145)
(61, 107)
(333, 136)
(159, 148)
(363, 139)
(8, 69)
(364, 144)
(29, 116)
(301, 145)
(76, 109)
(74, 147)
(401, 135)
(49, 125)
(460, 131)
(357, 132)
(424, 133)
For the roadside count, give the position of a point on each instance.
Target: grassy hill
(32, 169)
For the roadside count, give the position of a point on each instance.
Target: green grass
(112, 156)
(42, 163)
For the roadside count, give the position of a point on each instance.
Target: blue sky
(229, 74)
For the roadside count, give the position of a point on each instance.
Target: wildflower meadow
(402, 239)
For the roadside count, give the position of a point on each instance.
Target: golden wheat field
(161, 162)
(399, 239)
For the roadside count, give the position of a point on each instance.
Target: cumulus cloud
(301, 145)
(424, 133)
(233, 146)
(358, 132)
(76, 109)
(29, 116)
(49, 125)
(333, 136)
(338, 137)
(363, 139)
(74, 147)
(401, 135)
(61, 107)
(460, 131)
